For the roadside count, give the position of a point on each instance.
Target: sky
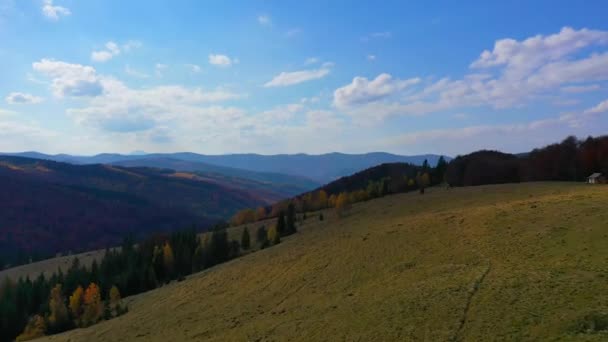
(268, 77)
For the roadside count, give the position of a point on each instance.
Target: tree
(168, 260)
(261, 237)
(36, 327)
(423, 181)
(280, 226)
(93, 307)
(291, 219)
(342, 203)
(114, 296)
(76, 300)
(58, 318)
(245, 239)
(260, 213)
(274, 236)
(440, 169)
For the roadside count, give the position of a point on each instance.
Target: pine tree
(291, 218)
(245, 239)
(280, 227)
(262, 237)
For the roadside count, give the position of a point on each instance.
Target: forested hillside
(570, 160)
(49, 207)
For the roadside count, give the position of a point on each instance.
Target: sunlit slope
(508, 262)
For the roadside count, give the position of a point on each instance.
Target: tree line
(377, 181)
(570, 160)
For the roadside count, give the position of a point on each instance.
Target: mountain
(281, 184)
(321, 168)
(48, 206)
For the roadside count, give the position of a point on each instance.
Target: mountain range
(316, 169)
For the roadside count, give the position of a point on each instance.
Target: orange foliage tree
(93, 307)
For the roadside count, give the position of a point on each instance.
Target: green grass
(524, 262)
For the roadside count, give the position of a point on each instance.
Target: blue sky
(93, 76)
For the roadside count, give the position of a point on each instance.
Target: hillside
(281, 185)
(321, 168)
(50, 207)
(502, 262)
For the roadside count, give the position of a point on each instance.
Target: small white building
(595, 178)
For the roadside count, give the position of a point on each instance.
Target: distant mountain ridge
(322, 168)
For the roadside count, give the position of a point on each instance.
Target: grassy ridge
(507, 262)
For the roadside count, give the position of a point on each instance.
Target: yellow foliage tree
(93, 307)
(168, 258)
(342, 203)
(320, 200)
(273, 235)
(58, 317)
(411, 182)
(36, 327)
(114, 296)
(331, 202)
(76, 300)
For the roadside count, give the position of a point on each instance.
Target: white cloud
(194, 68)
(70, 79)
(600, 108)
(111, 51)
(295, 77)
(512, 74)
(371, 57)
(361, 90)
(221, 60)
(264, 19)
(54, 12)
(22, 98)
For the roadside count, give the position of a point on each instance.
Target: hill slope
(49, 206)
(505, 262)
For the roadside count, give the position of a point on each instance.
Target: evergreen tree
(245, 239)
(280, 226)
(291, 217)
(262, 237)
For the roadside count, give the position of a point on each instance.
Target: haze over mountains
(320, 169)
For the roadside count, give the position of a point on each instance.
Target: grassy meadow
(522, 262)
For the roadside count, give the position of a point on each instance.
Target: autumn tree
(342, 203)
(58, 318)
(423, 181)
(274, 236)
(36, 327)
(244, 216)
(76, 301)
(93, 307)
(114, 296)
(245, 239)
(260, 213)
(168, 260)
